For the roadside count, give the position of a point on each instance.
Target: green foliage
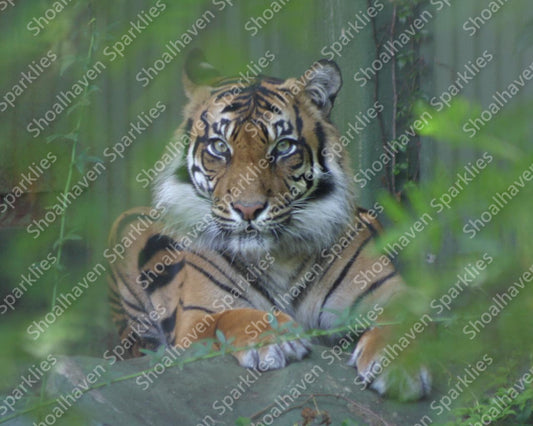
(243, 421)
(77, 239)
(500, 331)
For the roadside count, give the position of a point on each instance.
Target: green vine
(74, 160)
(406, 69)
(74, 136)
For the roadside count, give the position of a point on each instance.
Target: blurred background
(91, 92)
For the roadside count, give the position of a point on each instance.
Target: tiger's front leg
(235, 325)
(362, 290)
(398, 380)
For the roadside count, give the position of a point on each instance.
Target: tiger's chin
(253, 245)
(250, 246)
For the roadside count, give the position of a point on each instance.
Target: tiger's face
(259, 164)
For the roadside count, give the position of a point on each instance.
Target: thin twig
(366, 410)
(376, 96)
(394, 100)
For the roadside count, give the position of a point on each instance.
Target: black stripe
(342, 275)
(188, 127)
(261, 289)
(297, 301)
(370, 227)
(132, 306)
(203, 138)
(264, 130)
(268, 92)
(324, 187)
(321, 136)
(116, 308)
(232, 107)
(114, 296)
(151, 342)
(169, 323)
(299, 122)
(133, 320)
(264, 104)
(217, 126)
(253, 283)
(236, 130)
(154, 244)
(300, 297)
(232, 92)
(265, 92)
(373, 287)
(163, 279)
(220, 285)
(136, 297)
(218, 268)
(272, 80)
(195, 308)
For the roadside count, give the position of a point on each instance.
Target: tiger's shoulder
(140, 255)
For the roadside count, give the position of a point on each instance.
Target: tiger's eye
(284, 146)
(219, 146)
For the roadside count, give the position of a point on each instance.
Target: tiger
(238, 241)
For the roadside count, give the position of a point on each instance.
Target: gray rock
(218, 391)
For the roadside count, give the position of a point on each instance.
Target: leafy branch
(74, 136)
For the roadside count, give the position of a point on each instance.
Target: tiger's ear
(197, 72)
(323, 84)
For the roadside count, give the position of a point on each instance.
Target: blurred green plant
(472, 322)
(506, 238)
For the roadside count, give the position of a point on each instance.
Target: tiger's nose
(248, 211)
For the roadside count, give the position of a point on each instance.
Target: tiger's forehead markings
(255, 95)
(220, 128)
(260, 103)
(283, 128)
(299, 122)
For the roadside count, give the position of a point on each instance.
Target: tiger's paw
(398, 381)
(273, 356)
(248, 327)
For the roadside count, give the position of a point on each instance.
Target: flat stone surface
(218, 391)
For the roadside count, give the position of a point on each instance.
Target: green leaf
(199, 349)
(220, 336)
(83, 159)
(71, 136)
(156, 356)
(342, 317)
(52, 138)
(84, 101)
(447, 126)
(273, 321)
